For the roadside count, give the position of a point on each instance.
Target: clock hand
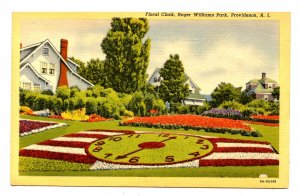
(169, 139)
(125, 155)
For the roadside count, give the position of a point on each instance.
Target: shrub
(128, 113)
(91, 105)
(58, 105)
(41, 102)
(137, 104)
(63, 92)
(47, 92)
(231, 105)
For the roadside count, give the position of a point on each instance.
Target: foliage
(93, 71)
(276, 93)
(127, 54)
(75, 115)
(245, 97)
(47, 92)
(231, 105)
(62, 92)
(128, 113)
(137, 104)
(225, 92)
(172, 88)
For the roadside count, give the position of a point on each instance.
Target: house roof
(260, 89)
(261, 81)
(195, 95)
(34, 71)
(37, 46)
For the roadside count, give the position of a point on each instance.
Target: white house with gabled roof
(43, 67)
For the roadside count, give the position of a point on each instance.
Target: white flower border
(56, 125)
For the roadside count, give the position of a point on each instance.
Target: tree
(172, 88)
(93, 71)
(225, 92)
(276, 93)
(127, 55)
(246, 97)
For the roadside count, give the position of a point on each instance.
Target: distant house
(194, 98)
(262, 88)
(43, 67)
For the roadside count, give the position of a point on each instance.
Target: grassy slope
(270, 134)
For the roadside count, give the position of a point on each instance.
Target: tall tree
(93, 71)
(225, 92)
(172, 88)
(127, 55)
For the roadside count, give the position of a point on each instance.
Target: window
(36, 87)
(27, 85)
(52, 69)
(46, 51)
(270, 85)
(266, 97)
(43, 67)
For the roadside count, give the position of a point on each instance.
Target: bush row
(96, 100)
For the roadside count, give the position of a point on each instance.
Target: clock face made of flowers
(150, 148)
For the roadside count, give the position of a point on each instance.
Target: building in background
(262, 88)
(194, 98)
(43, 67)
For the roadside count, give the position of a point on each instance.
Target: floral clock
(150, 148)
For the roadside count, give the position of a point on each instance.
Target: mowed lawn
(45, 167)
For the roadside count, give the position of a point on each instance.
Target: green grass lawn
(44, 167)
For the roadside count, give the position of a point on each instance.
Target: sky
(211, 51)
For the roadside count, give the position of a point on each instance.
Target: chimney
(20, 45)
(263, 76)
(63, 80)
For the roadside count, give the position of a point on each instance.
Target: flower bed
(27, 127)
(209, 124)
(261, 123)
(223, 113)
(96, 118)
(266, 119)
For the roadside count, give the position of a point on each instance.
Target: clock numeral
(200, 141)
(164, 135)
(108, 155)
(115, 139)
(97, 149)
(204, 147)
(99, 143)
(135, 136)
(134, 159)
(169, 159)
(195, 154)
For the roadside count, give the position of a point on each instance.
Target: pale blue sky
(211, 51)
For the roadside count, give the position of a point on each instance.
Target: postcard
(159, 99)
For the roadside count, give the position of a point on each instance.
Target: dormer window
(52, 69)
(46, 51)
(43, 67)
(270, 86)
(157, 79)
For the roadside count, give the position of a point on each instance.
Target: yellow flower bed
(75, 115)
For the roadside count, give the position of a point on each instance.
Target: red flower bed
(266, 119)
(96, 118)
(28, 126)
(210, 124)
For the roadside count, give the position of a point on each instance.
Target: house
(43, 67)
(194, 98)
(262, 88)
